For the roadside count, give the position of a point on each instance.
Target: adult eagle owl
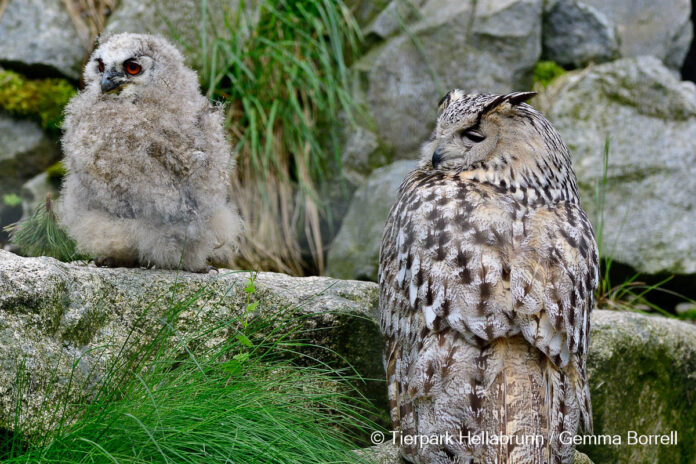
(487, 271)
(148, 165)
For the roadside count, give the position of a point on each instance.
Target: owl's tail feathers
(391, 355)
(563, 410)
(582, 388)
(537, 407)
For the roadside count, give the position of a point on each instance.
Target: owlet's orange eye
(100, 65)
(132, 67)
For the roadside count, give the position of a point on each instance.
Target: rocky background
(609, 75)
(621, 93)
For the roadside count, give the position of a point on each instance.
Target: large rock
(178, 20)
(576, 34)
(662, 29)
(392, 19)
(41, 34)
(170, 19)
(642, 379)
(362, 152)
(62, 320)
(487, 46)
(647, 118)
(66, 321)
(24, 149)
(354, 252)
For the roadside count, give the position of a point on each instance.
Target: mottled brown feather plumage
(487, 271)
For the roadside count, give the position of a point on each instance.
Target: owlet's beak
(112, 81)
(437, 158)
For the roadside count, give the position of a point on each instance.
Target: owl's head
(475, 130)
(134, 66)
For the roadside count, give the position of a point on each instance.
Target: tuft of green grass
(42, 100)
(281, 68)
(545, 72)
(187, 398)
(40, 235)
(689, 315)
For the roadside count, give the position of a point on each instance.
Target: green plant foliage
(42, 100)
(546, 71)
(11, 199)
(40, 235)
(191, 398)
(282, 68)
(56, 172)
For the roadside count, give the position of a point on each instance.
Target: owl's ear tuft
(504, 103)
(447, 99)
(516, 98)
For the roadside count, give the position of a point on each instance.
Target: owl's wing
(467, 256)
(554, 273)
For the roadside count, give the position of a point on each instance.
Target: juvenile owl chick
(148, 165)
(487, 271)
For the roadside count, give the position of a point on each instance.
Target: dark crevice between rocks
(35, 71)
(667, 296)
(8, 215)
(689, 67)
(347, 334)
(11, 444)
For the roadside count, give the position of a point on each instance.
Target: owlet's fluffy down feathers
(148, 164)
(487, 271)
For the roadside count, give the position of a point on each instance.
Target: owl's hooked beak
(112, 81)
(437, 157)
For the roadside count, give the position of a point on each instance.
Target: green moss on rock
(545, 72)
(42, 100)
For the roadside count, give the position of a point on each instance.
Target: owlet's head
(485, 130)
(135, 66)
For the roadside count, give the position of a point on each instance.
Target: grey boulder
(354, 252)
(67, 323)
(576, 34)
(646, 119)
(24, 151)
(40, 33)
(485, 46)
(645, 27)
